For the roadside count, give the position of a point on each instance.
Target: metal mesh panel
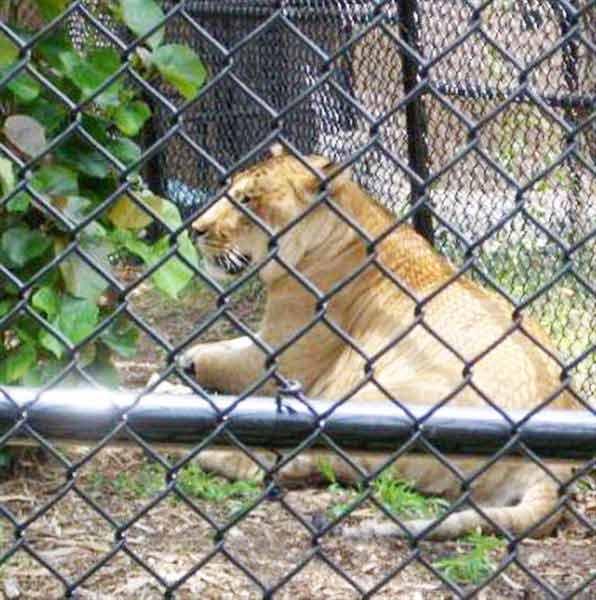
(474, 122)
(475, 69)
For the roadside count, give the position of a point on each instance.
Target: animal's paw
(185, 361)
(188, 362)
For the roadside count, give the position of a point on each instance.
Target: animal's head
(274, 192)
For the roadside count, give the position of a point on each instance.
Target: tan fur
(372, 310)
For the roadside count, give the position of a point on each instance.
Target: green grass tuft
(401, 498)
(194, 482)
(150, 479)
(475, 562)
(397, 495)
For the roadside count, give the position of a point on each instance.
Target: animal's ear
(277, 150)
(323, 164)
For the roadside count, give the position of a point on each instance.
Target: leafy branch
(49, 190)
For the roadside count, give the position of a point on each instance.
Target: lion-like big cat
(462, 322)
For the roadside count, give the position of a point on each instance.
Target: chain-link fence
(378, 368)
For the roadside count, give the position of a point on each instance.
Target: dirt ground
(263, 549)
(269, 543)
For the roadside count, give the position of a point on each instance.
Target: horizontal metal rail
(478, 90)
(87, 416)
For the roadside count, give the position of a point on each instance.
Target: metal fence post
(416, 121)
(573, 112)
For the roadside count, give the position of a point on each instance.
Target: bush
(72, 199)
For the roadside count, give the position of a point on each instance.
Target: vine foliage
(72, 125)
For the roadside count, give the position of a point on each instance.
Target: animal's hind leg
(533, 514)
(235, 465)
(300, 470)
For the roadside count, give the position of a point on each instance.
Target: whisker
(243, 259)
(237, 258)
(230, 259)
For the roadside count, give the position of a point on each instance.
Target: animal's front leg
(229, 366)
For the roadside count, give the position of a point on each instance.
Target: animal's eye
(245, 200)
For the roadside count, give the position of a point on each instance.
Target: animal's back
(464, 331)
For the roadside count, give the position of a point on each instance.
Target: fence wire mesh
(474, 121)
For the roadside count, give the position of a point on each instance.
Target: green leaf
(70, 61)
(82, 157)
(171, 216)
(46, 300)
(129, 241)
(17, 363)
(142, 15)
(49, 9)
(131, 117)
(19, 204)
(174, 276)
(51, 343)
(7, 178)
(26, 331)
(121, 337)
(88, 74)
(9, 52)
(21, 245)
(48, 113)
(51, 278)
(188, 249)
(98, 127)
(126, 214)
(25, 134)
(181, 67)
(42, 372)
(76, 319)
(124, 150)
(5, 306)
(81, 280)
(56, 181)
(105, 62)
(25, 88)
(52, 46)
